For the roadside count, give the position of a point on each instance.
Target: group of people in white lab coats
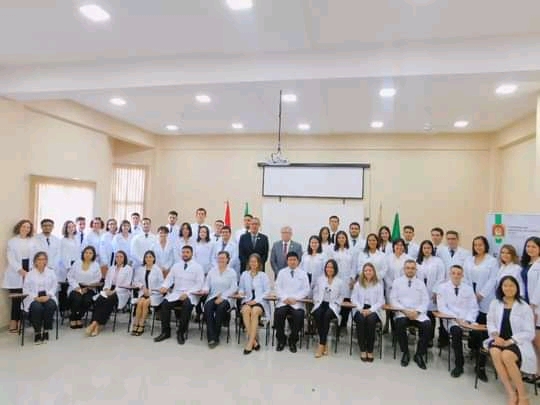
(339, 272)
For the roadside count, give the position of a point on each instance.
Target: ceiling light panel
(94, 13)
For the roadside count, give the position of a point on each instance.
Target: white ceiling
(444, 57)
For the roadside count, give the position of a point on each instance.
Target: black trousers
(477, 337)
(345, 312)
(215, 317)
(103, 308)
(182, 315)
(402, 323)
(296, 319)
(41, 315)
(323, 316)
(63, 302)
(79, 304)
(457, 345)
(365, 330)
(15, 304)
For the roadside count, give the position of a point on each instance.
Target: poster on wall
(512, 229)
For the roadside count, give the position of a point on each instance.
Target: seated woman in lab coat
(368, 297)
(328, 294)
(510, 324)
(254, 287)
(148, 278)
(116, 293)
(40, 284)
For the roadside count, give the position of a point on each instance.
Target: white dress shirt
(140, 244)
(410, 294)
(431, 272)
(332, 293)
(372, 295)
(70, 252)
(52, 248)
(36, 281)
(188, 280)
(223, 284)
(77, 275)
(295, 285)
(484, 277)
(463, 306)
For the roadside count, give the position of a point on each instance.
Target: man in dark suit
(252, 242)
(278, 255)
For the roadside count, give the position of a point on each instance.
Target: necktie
(253, 239)
(452, 252)
(48, 242)
(82, 236)
(456, 290)
(223, 246)
(112, 259)
(434, 250)
(474, 287)
(292, 273)
(354, 242)
(332, 238)
(185, 266)
(284, 249)
(409, 283)
(146, 235)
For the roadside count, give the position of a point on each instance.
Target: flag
(379, 218)
(246, 209)
(396, 228)
(227, 214)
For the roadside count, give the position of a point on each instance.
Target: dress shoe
(280, 347)
(45, 337)
(419, 359)
(481, 373)
(405, 358)
(257, 347)
(212, 344)
(456, 372)
(246, 351)
(162, 337)
(369, 359)
(292, 347)
(180, 338)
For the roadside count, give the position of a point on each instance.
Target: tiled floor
(121, 369)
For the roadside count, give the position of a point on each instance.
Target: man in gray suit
(278, 256)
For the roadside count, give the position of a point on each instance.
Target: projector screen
(317, 181)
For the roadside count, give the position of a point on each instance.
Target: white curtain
(128, 185)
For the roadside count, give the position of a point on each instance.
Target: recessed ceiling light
(118, 101)
(240, 4)
(94, 13)
(171, 127)
(289, 98)
(461, 124)
(506, 89)
(388, 92)
(377, 124)
(237, 125)
(203, 98)
(304, 127)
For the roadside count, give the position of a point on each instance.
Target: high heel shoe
(319, 352)
(257, 347)
(246, 351)
(325, 351)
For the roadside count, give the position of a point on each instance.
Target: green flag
(396, 228)
(246, 209)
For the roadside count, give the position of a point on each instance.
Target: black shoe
(162, 337)
(257, 347)
(180, 338)
(246, 351)
(456, 372)
(405, 358)
(292, 347)
(212, 344)
(419, 359)
(45, 337)
(280, 347)
(37, 338)
(481, 373)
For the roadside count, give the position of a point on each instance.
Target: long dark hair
(421, 256)
(499, 292)
(525, 258)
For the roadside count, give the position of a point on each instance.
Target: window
(60, 199)
(128, 186)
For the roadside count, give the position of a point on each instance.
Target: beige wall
(32, 143)
(429, 180)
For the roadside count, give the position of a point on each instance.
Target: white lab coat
(155, 281)
(92, 239)
(78, 276)
(514, 270)
(372, 295)
(106, 250)
(431, 272)
(140, 244)
(387, 249)
(394, 269)
(221, 283)
(327, 249)
(232, 248)
(122, 277)
(314, 265)
(522, 323)
(378, 259)
(460, 255)
(52, 249)
(337, 294)
(70, 252)
(35, 282)
(485, 277)
(462, 306)
(533, 283)
(186, 281)
(413, 298)
(17, 250)
(296, 287)
(203, 253)
(119, 242)
(260, 284)
(164, 255)
(180, 243)
(344, 259)
(412, 249)
(174, 233)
